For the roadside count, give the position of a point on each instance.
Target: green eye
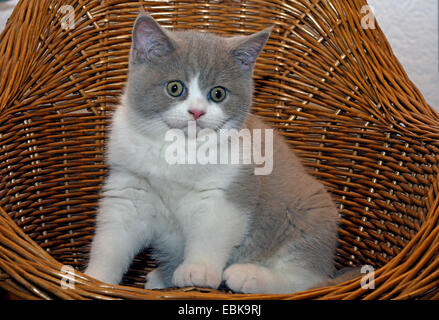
(217, 94)
(175, 88)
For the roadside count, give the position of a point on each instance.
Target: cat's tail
(340, 276)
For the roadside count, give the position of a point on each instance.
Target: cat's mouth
(198, 124)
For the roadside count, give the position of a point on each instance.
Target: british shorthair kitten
(206, 223)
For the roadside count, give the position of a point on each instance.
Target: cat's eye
(175, 88)
(217, 94)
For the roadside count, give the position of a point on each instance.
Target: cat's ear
(245, 50)
(149, 40)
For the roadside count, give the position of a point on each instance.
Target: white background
(411, 26)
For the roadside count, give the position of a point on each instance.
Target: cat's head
(175, 77)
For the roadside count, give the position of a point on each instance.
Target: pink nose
(196, 113)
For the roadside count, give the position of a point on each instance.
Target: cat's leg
(123, 227)
(212, 227)
(116, 241)
(156, 280)
(254, 278)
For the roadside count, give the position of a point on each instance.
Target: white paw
(101, 275)
(198, 275)
(248, 278)
(154, 280)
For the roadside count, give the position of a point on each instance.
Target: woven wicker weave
(335, 90)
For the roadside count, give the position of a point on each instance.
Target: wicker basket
(330, 84)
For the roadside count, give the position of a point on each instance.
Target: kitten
(207, 224)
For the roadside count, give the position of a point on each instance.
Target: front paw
(198, 275)
(102, 275)
(248, 278)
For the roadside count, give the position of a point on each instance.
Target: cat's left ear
(245, 50)
(150, 40)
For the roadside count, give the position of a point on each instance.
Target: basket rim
(33, 268)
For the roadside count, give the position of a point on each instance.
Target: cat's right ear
(150, 40)
(246, 49)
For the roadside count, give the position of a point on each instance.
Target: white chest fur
(183, 204)
(144, 157)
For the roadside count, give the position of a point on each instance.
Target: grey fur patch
(289, 210)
